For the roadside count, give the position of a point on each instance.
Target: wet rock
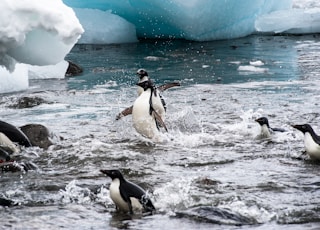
(14, 166)
(11, 166)
(27, 102)
(37, 134)
(210, 214)
(73, 69)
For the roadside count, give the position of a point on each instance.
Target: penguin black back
(14, 134)
(148, 84)
(130, 190)
(263, 121)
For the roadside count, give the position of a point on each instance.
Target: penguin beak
(104, 171)
(298, 127)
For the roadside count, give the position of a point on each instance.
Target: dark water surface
(212, 172)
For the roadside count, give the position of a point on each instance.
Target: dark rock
(27, 102)
(37, 134)
(14, 166)
(73, 69)
(210, 214)
(11, 166)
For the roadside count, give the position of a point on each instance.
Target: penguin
(127, 196)
(5, 202)
(146, 116)
(4, 155)
(266, 130)
(311, 140)
(14, 134)
(143, 76)
(7, 145)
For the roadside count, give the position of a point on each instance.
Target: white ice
(33, 32)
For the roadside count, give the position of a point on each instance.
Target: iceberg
(40, 33)
(36, 33)
(198, 20)
(295, 21)
(103, 27)
(17, 80)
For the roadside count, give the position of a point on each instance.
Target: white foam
(252, 69)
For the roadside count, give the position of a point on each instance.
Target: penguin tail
(147, 204)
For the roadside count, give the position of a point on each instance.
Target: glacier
(42, 33)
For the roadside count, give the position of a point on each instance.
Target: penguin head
(263, 121)
(146, 84)
(305, 128)
(142, 73)
(113, 174)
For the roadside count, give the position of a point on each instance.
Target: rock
(73, 69)
(37, 134)
(27, 102)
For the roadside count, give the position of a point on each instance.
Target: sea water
(211, 172)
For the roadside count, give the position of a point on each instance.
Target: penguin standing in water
(266, 130)
(143, 76)
(146, 116)
(127, 196)
(311, 140)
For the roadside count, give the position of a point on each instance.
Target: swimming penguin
(266, 130)
(4, 155)
(146, 116)
(311, 140)
(14, 134)
(127, 196)
(143, 76)
(7, 145)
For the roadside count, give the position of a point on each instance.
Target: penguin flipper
(125, 112)
(163, 87)
(159, 120)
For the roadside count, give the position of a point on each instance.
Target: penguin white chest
(116, 196)
(121, 204)
(312, 148)
(265, 132)
(143, 121)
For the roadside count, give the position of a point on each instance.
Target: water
(212, 171)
